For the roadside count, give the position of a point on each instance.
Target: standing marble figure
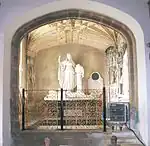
(66, 73)
(79, 76)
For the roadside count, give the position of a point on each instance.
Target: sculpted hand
(59, 59)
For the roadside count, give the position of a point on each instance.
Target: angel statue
(66, 73)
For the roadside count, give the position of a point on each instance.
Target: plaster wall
(138, 9)
(1, 86)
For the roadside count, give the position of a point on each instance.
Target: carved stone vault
(73, 31)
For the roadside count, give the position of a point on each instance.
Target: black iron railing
(104, 109)
(59, 109)
(62, 111)
(23, 109)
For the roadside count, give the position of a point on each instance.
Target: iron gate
(62, 110)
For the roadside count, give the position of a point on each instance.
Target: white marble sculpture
(70, 76)
(66, 73)
(79, 76)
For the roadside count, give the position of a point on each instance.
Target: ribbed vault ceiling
(73, 31)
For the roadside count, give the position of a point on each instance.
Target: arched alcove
(86, 10)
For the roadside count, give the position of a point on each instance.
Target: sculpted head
(113, 140)
(69, 56)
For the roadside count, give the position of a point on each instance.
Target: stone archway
(58, 10)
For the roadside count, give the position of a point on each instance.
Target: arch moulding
(90, 6)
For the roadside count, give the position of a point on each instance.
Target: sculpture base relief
(69, 95)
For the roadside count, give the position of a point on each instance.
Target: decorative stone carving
(113, 141)
(95, 81)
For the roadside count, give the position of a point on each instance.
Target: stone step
(33, 138)
(131, 145)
